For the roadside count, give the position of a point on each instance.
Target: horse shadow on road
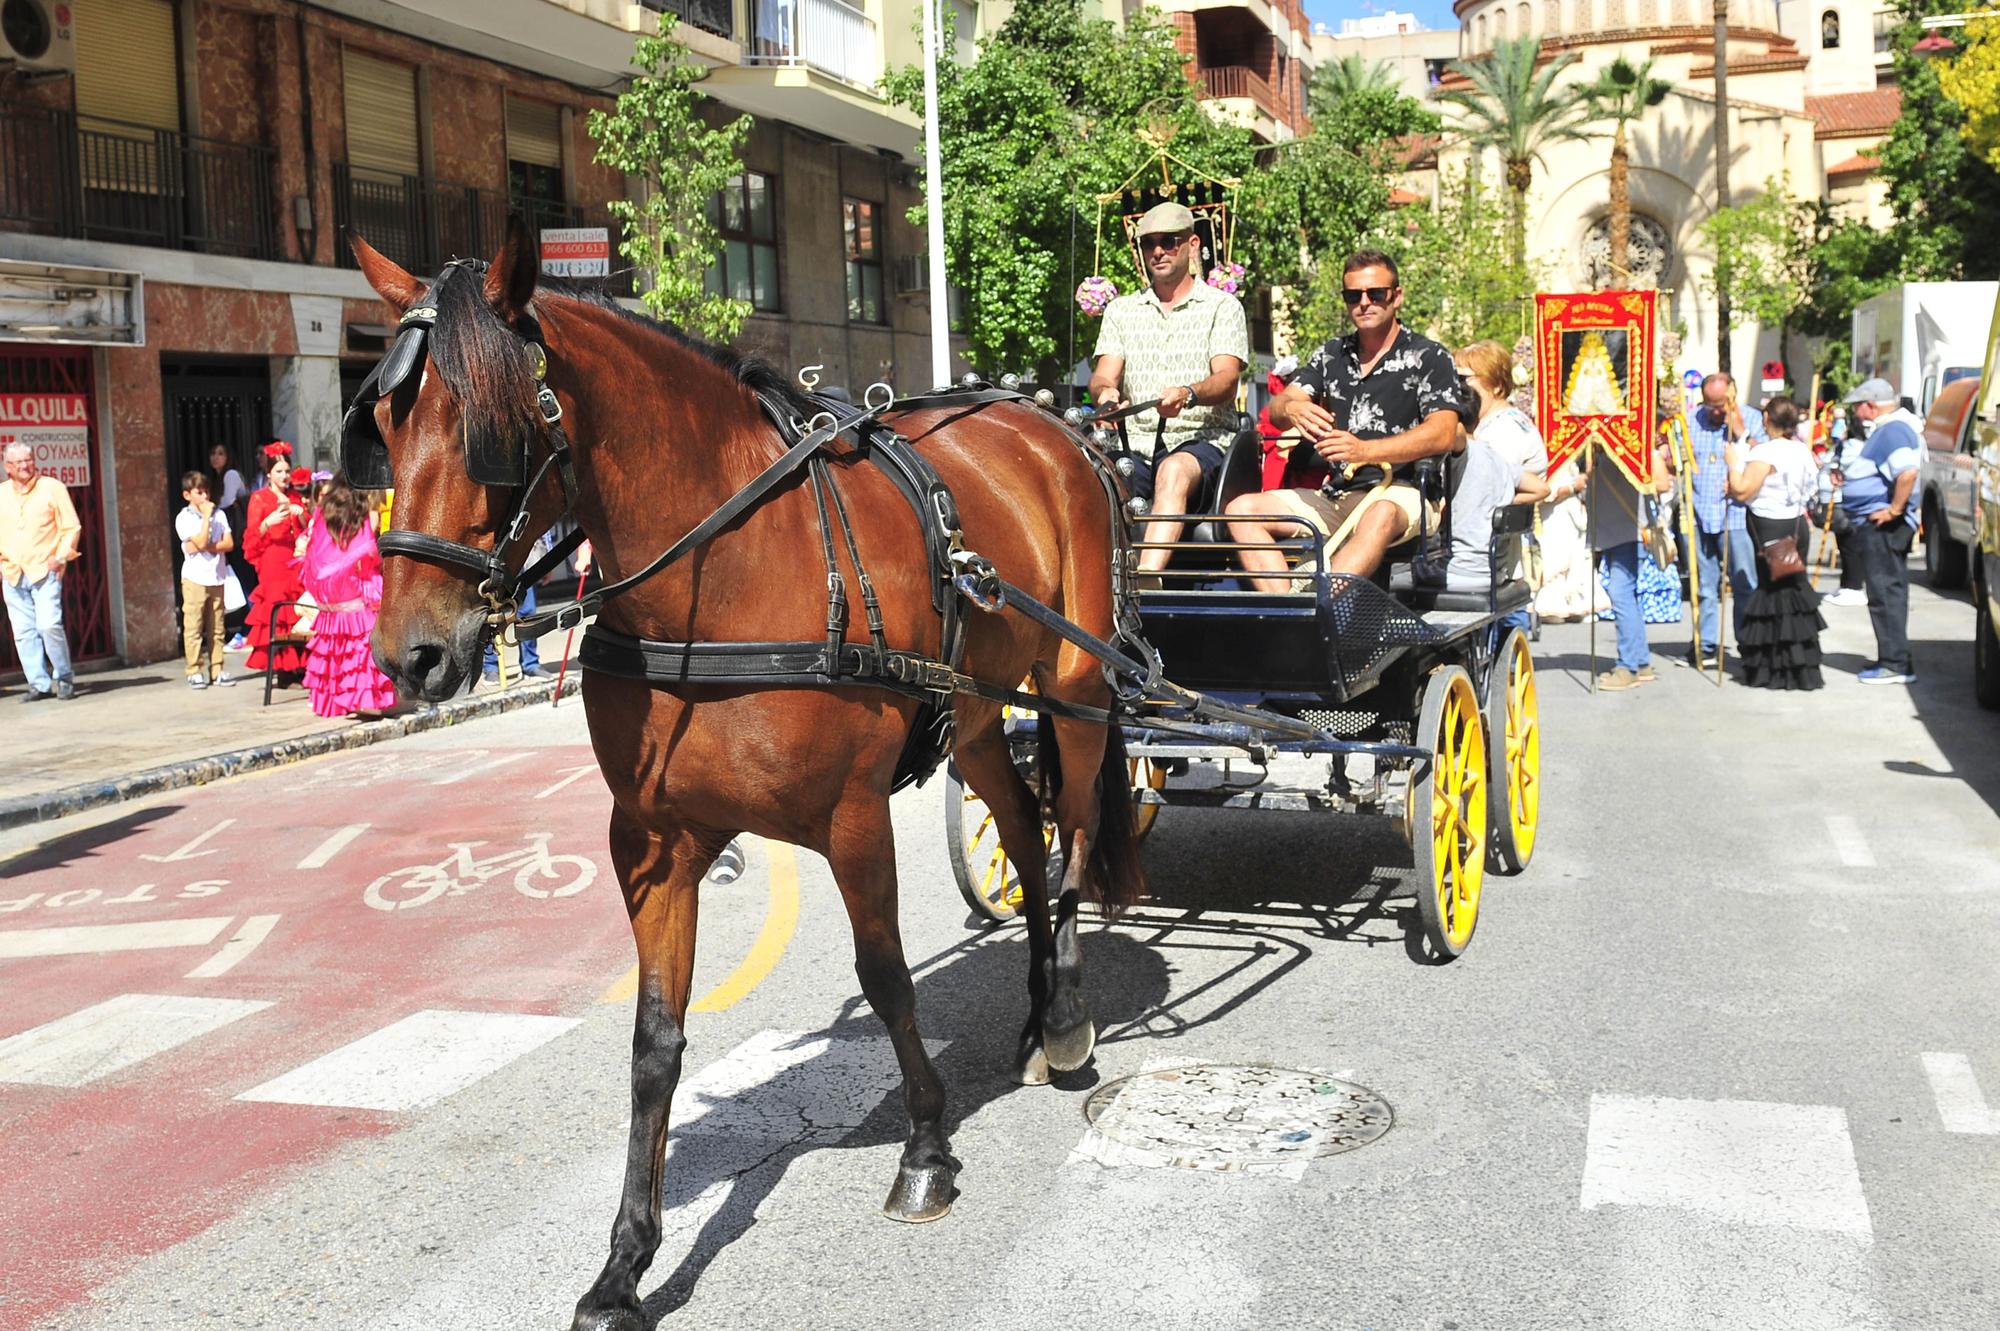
(1242, 904)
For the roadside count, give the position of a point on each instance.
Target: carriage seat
(1242, 471)
(1415, 582)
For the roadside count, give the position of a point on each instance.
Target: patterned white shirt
(1166, 348)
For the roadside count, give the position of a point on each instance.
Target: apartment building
(1251, 60)
(177, 178)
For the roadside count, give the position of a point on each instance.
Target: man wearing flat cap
(1186, 343)
(1877, 483)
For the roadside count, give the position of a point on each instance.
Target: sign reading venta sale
(580, 251)
(56, 426)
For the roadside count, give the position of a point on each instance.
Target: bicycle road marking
(254, 931)
(1961, 1105)
(781, 918)
(323, 853)
(459, 873)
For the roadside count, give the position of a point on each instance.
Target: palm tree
(1514, 109)
(1338, 79)
(1622, 93)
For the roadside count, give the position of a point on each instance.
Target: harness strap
(569, 616)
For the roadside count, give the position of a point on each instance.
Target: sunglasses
(1376, 295)
(1162, 242)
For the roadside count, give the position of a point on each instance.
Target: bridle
(365, 458)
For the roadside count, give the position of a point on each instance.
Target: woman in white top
(1781, 620)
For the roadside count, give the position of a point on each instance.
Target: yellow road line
(781, 918)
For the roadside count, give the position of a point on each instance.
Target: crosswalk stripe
(414, 1062)
(254, 931)
(113, 1035)
(1961, 1106)
(1737, 1160)
(77, 939)
(1848, 843)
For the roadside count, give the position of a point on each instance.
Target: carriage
(1417, 705)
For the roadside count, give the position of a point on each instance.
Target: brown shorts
(1335, 517)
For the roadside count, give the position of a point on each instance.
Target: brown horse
(664, 429)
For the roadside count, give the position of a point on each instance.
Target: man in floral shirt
(1372, 404)
(1185, 343)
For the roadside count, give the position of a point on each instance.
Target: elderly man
(1186, 343)
(1719, 422)
(1876, 486)
(1372, 404)
(38, 536)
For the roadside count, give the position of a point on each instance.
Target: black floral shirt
(1414, 378)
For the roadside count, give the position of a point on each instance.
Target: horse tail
(1117, 877)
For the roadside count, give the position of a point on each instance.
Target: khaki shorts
(1335, 518)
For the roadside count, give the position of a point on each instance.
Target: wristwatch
(1189, 390)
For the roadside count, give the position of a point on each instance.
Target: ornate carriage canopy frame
(1595, 363)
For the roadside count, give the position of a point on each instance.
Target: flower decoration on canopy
(1227, 277)
(1095, 294)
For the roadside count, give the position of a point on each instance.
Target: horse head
(451, 417)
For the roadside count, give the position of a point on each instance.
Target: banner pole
(1590, 545)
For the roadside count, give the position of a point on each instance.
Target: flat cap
(1165, 219)
(1871, 390)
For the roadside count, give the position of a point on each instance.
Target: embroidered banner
(1594, 377)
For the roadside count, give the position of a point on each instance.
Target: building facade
(177, 178)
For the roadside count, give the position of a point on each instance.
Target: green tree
(1337, 80)
(1972, 79)
(1515, 110)
(1046, 119)
(657, 133)
(1924, 159)
(1622, 94)
(1763, 259)
(1461, 281)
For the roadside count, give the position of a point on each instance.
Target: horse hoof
(920, 1195)
(608, 1319)
(1031, 1067)
(1069, 1050)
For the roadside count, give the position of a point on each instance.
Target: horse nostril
(423, 659)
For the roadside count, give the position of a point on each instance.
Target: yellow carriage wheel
(988, 880)
(1514, 727)
(1447, 812)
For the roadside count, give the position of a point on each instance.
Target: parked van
(1986, 528)
(1946, 484)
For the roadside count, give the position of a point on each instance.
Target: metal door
(86, 583)
(210, 402)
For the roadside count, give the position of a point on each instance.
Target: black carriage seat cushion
(1509, 521)
(1242, 472)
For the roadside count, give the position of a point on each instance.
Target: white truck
(1921, 336)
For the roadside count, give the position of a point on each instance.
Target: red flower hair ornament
(277, 448)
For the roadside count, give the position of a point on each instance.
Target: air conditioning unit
(37, 34)
(913, 274)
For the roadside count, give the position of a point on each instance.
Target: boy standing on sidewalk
(205, 539)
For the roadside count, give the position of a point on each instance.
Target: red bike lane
(339, 944)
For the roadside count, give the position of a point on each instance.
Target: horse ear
(510, 279)
(385, 274)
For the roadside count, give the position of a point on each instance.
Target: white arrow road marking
(1956, 1091)
(414, 1062)
(113, 1035)
(77, 939)
(254, 931)
(1848, 843)
(575, 774)
(323, 853)
(189, 851)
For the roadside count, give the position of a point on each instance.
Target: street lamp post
(1721, 173)
(934, 206)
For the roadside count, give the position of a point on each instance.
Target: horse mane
(486, 370)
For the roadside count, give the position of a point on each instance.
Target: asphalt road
(1716, 1060)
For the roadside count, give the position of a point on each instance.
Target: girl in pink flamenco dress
(343, 571)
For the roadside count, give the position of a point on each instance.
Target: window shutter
(381, 114)
(534, 133)
(126, 69)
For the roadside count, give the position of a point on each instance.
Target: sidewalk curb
(200, 771)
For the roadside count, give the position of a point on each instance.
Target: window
(746, 213)
(381, 105)
(1829, 31)
(861, 221)
(534, 153)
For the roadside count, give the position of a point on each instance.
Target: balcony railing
(826, 35)
(708, 15)
(422, 223)
(99, 180)
(1238, 81)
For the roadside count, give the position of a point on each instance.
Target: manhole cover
(1225, 1116)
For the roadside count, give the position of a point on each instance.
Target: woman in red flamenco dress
(273, 529)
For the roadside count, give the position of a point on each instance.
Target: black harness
(957, 574)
